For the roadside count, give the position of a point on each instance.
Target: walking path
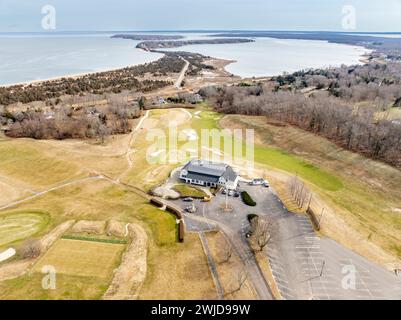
(212, 266)
(15, 203)
(181, 77)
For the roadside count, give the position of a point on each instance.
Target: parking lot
(304, 265)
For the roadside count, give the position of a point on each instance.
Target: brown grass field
(362, 197)
(178, 272)
(228, 271)
(82, 258)
(52, 162)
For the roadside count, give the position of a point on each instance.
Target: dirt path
(129, 150)
(181, 77)
(131, 273)
(78, 181)
(187, 112)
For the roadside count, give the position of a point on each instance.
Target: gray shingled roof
(203, 177)
(230, 174)
(209, 171)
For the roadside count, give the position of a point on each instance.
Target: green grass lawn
(68, 287)
(188, 191)
(284, 161)
(20, 225)
(274, 157)
(362, 192)
(19, 159)
(162, 225)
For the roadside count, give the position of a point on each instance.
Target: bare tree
(330, 113)
(30, 249)
(239, 279)
(225, 250)
(261, 232)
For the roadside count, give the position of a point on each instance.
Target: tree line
(379, 84)
(355, 128)
(65, 122)
(114, 81)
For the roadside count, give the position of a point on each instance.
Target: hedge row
(113, 241)
(247, 199)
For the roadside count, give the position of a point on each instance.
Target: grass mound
(188, 191)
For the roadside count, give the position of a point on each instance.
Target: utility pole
(321, 217)
(310, 200)
(321, 271)
(226, 199)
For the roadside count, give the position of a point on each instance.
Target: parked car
(191, 209)
(230, 193)
(236, 194)
(266, 184)
(224, 191)
(188, 199)
(256, 182)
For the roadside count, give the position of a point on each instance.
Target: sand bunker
(165, 193)
(115, 228)
(91, 227)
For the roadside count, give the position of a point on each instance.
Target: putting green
(19, 226)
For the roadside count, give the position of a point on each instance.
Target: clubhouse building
(209, 174)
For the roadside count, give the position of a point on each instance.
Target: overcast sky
(371, 15)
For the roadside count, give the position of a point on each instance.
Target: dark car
(188, 199)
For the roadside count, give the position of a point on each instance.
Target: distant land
(389, 46)
(153, 42)
(146, 37)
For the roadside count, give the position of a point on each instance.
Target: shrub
(247, 199)
(91, 239)
(252, 216)
(30, 249)
(181, 232)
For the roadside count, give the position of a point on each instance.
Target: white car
(257, 182)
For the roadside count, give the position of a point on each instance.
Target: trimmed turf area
(275, 157)
(188, 191)
(21, 225)
(68, 287)
(103, 200)
(82, 258)
(84, 270)
(292, 164)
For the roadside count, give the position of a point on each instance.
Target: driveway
(304, 265)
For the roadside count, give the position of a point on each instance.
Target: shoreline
(363, 59)
(74, 75)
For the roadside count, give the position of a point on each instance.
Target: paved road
(181, 77)
(239, 243)
(304, 265)
(243, 251)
